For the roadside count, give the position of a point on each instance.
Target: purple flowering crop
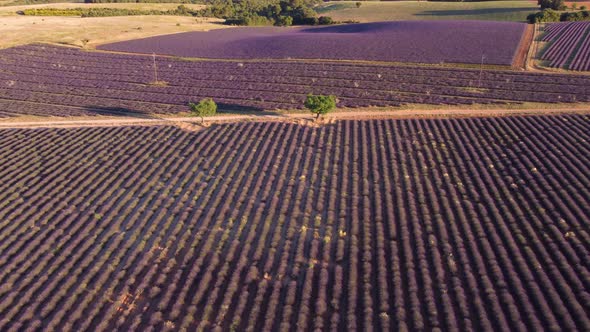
(402, 41)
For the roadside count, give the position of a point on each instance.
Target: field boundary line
(524, 46)
(350, 115)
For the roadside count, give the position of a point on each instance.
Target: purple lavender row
(553, 30)
(582, 59)
(475, 224)
(406, 41)
(177, 67)
(489, 78)
(352, 88)
(565, 46)
(62, 82)
(569, 46)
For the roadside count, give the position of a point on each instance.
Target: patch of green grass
(373, 11)
(334, 6)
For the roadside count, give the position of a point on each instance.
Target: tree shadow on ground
(475, 12)
(228, 109)
(118, 111)
(222, 108)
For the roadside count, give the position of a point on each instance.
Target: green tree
(544, 16)
(284, 21)
(320, 104)
(358, 4)
(552, 4)
(206, 107)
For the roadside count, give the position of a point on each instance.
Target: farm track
(522, 53)
(459, 224)
(157, 120)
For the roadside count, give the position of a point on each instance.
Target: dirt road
(360, 115)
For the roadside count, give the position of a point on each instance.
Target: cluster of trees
(552, 11)
(550, 15)
(235, 12)
(107, 12)
(552, 4)
(266, 12)
(583, 15)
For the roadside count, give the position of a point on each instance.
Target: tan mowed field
(373, 11)
(20, 30)
(12, 10)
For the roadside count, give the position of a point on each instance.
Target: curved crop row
(569, 45)
(462, 224)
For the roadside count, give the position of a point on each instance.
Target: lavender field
(388, 225)
(569, 46)
(47, 80)
(402, 41)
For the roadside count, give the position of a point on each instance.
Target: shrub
(206, 107)
(358, 4)
(325, 20)
(309, 21)
(250, 20)
(320, 104)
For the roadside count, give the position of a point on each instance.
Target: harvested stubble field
(463, 224)
(12, 10)
(405, 41)
(374, 11)
(48, 80)
(90, 31)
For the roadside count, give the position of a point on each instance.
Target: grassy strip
(373, 11)
(108, 12)
(333, 6)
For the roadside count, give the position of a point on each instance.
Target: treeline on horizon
(555, 11)
(248, 12)
(268, 12)
(235, 12)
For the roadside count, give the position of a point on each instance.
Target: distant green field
(372, 11)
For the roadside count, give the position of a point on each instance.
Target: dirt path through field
(355, 115)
